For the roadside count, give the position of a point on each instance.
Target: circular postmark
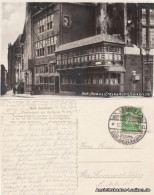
(127, 125)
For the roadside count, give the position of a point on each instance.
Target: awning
(109, 68)
(114, 68)
(89, 41)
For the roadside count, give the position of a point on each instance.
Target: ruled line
(110, 148)
(109, 177)
(110, 162)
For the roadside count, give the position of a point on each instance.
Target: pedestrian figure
(14, 90)
(22, 89)
(17, 90)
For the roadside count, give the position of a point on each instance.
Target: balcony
(99, 50)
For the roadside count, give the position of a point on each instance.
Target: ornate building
(46, 29)
(92, 65)
(15, 62)
(134, 24)
(79, 35)
(3, 80)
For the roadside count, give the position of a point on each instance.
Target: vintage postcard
(76, 99)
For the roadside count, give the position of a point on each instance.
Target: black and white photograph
(76, 103)
(77, 49)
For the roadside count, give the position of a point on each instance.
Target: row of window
(92, 79)
(44, 80)
(42, 28)
(50, 50)
(151, 16)
(97, 49)
(91, 58)
(41, 46)
(45, 68)
(46, 19)
(45, 23)
(49, 41)
(40, 52)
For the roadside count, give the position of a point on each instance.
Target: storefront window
(94, 79)
(106, 79)
(90, 79)
(73, 79)
(114, 79)
(85, 80)
(100, 79)
(64, 79)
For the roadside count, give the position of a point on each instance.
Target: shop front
(92, 65)
(92, 80)
(46, 79)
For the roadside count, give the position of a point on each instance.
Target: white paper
(65, 147)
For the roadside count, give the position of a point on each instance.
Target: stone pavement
(10, 95)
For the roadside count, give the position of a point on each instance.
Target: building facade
(92, 65)
(134, 24)
(63, 48)
(15, 62)
(3, 80)
(46, 29)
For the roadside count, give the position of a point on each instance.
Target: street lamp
(148, 87)
(147, 50)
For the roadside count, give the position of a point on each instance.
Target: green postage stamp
(127, 125)
(131, 119)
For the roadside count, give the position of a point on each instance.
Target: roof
(48, 5)
(89, 41)
(17, 41)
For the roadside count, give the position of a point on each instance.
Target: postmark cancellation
(127, 125)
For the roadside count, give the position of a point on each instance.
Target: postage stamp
(127, 125)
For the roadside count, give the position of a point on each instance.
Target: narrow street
(10, 95)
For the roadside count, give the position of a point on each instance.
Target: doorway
(56, 84)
